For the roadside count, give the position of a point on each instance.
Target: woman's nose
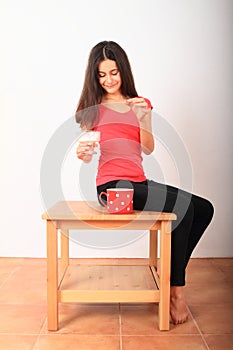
(109, 78)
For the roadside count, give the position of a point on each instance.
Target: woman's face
(109, 76)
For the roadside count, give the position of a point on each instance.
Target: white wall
(181, 54)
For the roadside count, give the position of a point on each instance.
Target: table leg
(153, 248)
(165, 268)
(64, 250)
(52, 276)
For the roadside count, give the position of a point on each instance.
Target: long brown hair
(87, 112)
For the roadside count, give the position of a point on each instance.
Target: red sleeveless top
(120, 148)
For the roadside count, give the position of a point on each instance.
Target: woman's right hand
(85, 150)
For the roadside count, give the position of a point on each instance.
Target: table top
(92, 210)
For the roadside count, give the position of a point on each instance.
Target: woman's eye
(102, 75)
(115, 72)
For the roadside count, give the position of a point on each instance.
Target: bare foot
(178, 308)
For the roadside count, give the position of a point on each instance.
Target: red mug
(119, 200)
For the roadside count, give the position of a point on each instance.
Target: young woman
(109, 103)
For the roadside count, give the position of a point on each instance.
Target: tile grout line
(39, 334)
(43, 324)
(121, 348)
(33, 334)
(35, 343)
(9, 276)
(200, 332)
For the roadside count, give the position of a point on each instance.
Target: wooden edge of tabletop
(91, 210)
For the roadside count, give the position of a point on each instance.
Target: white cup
(90, 138)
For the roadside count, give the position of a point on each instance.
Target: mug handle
(101, 200)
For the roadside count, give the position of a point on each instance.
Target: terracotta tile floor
(23, 326)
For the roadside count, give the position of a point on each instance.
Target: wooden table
(113, 280)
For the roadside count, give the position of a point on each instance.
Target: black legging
(193, 216)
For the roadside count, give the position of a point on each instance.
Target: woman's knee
(209, 209)
(203, 208)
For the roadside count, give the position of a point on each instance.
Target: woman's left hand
(139, 107)
(142, 108)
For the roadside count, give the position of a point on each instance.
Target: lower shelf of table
(108, 283)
